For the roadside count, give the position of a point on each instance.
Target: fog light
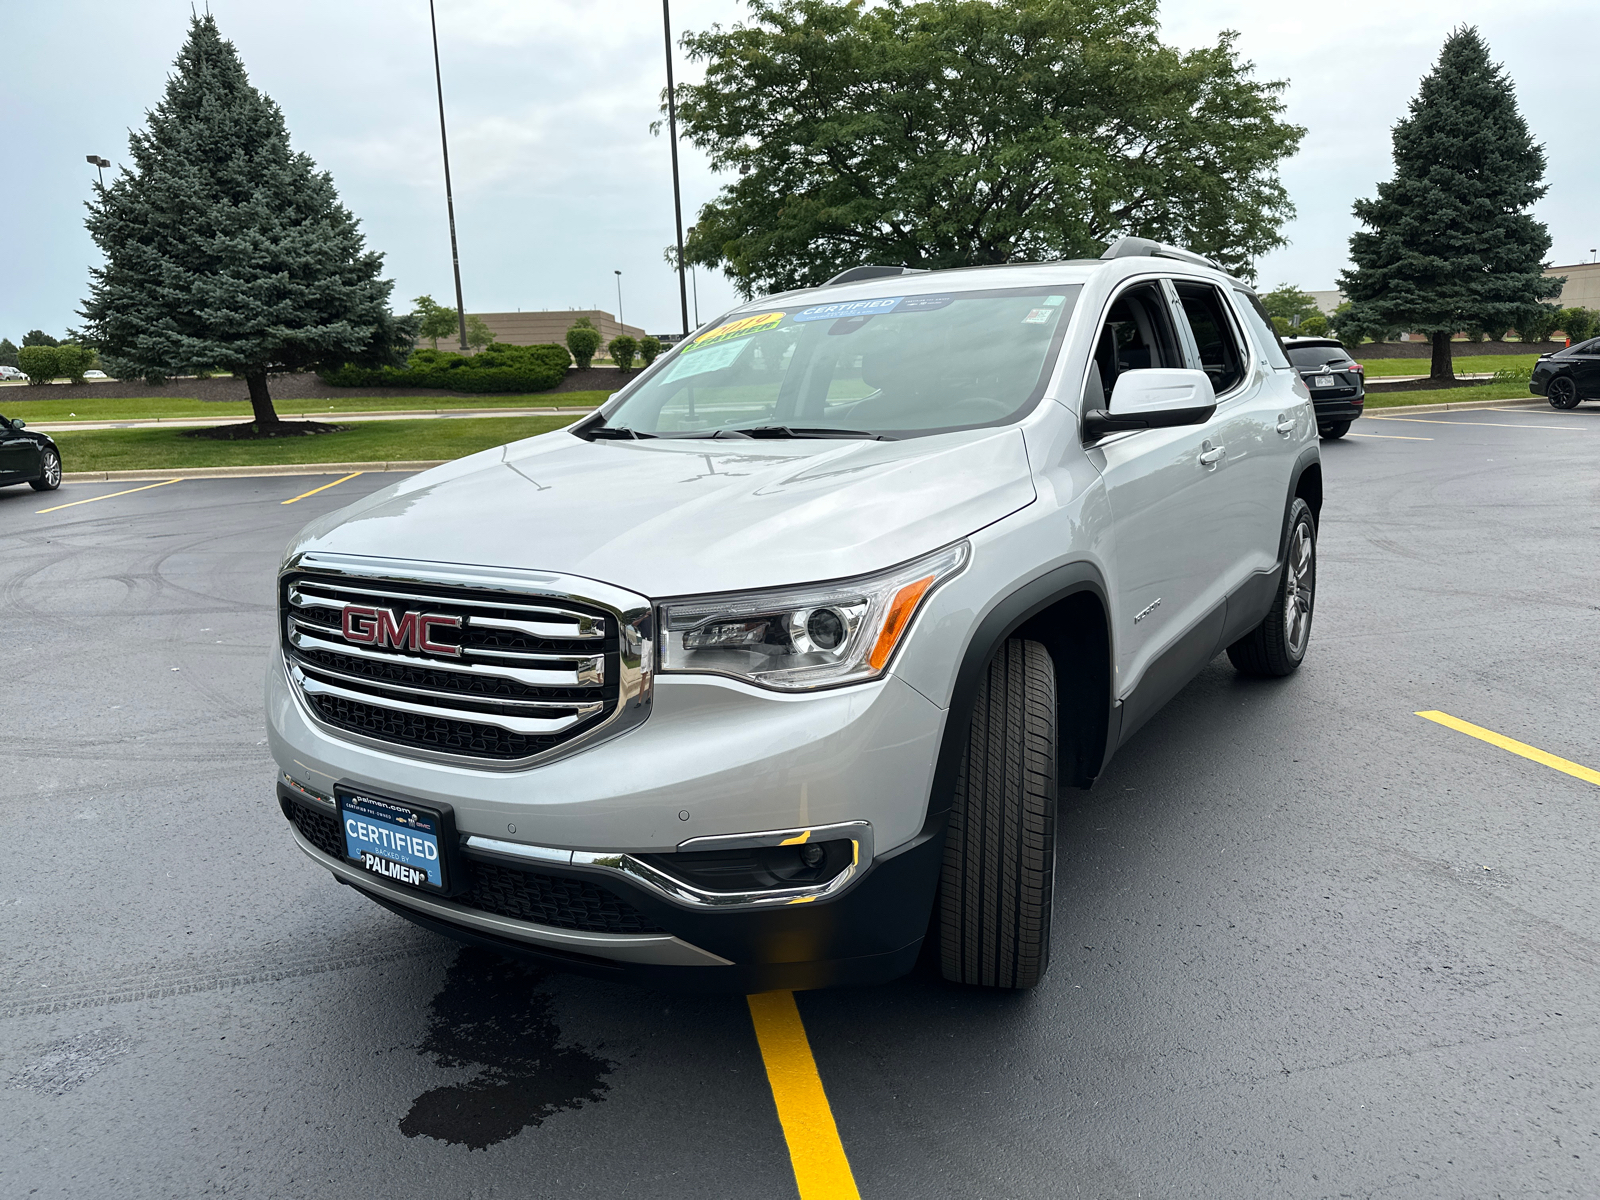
(757, 869)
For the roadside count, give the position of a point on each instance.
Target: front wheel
(1000, 843)
(1562, 392)
(50, 474)
(1277, 646)
(1333, 430)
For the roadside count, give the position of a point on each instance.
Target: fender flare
(999, 623)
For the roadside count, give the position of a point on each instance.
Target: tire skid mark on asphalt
(127, 985)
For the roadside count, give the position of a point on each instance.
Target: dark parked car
(1568, 377)
(28, 457)
(1337, 381)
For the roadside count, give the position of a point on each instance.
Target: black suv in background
(1336, 381)
(1568, 377)
(28, 457)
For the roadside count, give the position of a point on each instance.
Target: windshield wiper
(614, 432)
(799, 431)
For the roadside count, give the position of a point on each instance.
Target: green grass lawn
(1466, 364)
(377, 441)
(84, 406)
(1455, 395)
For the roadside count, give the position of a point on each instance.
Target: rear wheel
(1000, 843)
(1277, 646)
(1333, 430)
(50, 474)
(1562, 392)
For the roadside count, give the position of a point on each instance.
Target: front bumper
(870, 932)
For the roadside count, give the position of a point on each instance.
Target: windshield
(892, 367)
(1316, 356)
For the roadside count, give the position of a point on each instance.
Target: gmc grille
(449, 671)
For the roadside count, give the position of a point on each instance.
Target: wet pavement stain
(490, 1015)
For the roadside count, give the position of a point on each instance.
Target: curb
(250, 472)
(1456, 405)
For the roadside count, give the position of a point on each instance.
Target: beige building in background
(537, 328)
(1582, 289)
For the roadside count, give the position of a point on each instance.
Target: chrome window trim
(523, 588)
(668, 886)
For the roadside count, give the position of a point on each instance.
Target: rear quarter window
(1261, 328)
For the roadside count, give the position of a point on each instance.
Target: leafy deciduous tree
(38, 337)
(479, 334)
(225, 248)
(1449, 244)
(434, 321)
(948, 133)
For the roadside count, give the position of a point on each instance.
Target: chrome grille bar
(524, 725)
(574, 626)
(586, 669)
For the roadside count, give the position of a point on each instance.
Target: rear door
(1254, 427)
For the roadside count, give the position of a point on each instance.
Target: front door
(1162, 486)
(19, 456)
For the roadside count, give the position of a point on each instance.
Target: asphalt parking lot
(1307, 942)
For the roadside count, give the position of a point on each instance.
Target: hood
(672, 517)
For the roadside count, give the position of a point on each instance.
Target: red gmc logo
(414, 631)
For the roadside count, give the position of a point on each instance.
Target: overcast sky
(558, 181)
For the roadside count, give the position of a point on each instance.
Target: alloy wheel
(1300, 580)
(52, 469)
(1562, 392)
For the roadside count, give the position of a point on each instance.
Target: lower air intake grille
(552, 900)
(505, 891)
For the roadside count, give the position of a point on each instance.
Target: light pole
(449, 200)
(694, 281)
(672, 134)
(99, 164)
(618, 274)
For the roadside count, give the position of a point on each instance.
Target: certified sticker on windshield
(847, 308)
(743, 327)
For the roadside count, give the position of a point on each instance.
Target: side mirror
(1154, 398)
(18, 424)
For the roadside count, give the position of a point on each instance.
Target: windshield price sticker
(848, 308)
(743, 327)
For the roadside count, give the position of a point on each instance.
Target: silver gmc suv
(768, 671)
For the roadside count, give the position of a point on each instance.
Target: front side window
(896, 366)
(1136, 335)
(1221, 357)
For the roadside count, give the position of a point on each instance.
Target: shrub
(649, 348)
(1513, 375)
(73, 360)
(1577, 323)
(497, 368)
(40, 364)
(583, 339)
(1537, 323)
(622, 349)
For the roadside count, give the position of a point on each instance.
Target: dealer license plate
(1324, 381)
(392, 839)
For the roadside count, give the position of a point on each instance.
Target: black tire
(1277, 646)
(1562, 392)
(1000, 843)
(1333, 430)
(50, 479)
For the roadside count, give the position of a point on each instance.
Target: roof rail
(871, 271)
(1135, 247)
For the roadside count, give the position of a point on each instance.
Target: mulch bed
(249, 432)
(298, 386)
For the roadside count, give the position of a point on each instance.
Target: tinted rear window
(1316, 356)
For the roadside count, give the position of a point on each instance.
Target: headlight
(816, 636)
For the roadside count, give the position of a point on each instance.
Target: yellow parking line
(1543, 757)
(324, 487)
(1391, 437)
(110, 495)
(821, 1171)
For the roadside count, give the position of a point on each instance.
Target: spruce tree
(224, 248)
(1449, 243)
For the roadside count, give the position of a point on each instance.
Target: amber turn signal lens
(900, 609)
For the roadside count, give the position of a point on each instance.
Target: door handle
(1213, 456)
(1285, 425)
